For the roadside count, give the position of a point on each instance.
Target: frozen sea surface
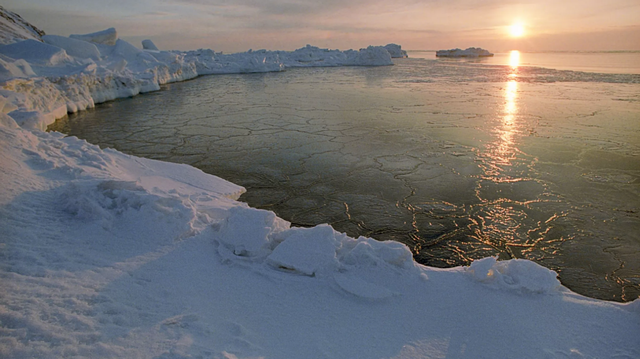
(457, 160)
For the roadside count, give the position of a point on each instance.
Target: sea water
(457, 159)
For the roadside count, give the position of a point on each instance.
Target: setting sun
(516, 30)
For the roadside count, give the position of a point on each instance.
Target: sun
(516, 30)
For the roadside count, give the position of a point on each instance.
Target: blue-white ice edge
(107, 255)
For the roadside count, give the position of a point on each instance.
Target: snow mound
(249, 232)
(470, 52)
(112, 201)
(10, 68)
(306, 250)
(320, 250)
(516, 275)
(35, 52)
(105, 37)
(370, 252)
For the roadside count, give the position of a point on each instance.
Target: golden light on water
(505, 143)
(511, 94)
(514, 59)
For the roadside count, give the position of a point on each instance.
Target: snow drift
(108, 255)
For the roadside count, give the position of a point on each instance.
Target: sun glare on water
(516, 30)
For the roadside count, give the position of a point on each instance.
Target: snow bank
(470, 52)
(76, 72)
(107, 255)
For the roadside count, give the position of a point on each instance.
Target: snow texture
(14, 28)
(106, 255)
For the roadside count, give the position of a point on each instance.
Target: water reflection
(506, 149)
(506, 129)
(514, 59)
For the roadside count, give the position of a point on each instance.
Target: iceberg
(109, 255)
(470, 52)
(396, 51)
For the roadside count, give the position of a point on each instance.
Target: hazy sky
(238, 25)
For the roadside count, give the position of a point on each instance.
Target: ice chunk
(73, 47)
(106, 37)
(368, 251)
(149, 45)
(518, 275)
(247, 232)
(305, 250)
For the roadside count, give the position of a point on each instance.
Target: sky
(240, 25)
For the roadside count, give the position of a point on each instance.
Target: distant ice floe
(470, 52)
(396, 51)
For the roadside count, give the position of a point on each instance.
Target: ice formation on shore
(470, 52)
(107, 255)
(78, 71)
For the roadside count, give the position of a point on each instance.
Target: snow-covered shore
(46, 77)
(107, 255)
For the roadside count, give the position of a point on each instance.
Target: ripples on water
(458, 161)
